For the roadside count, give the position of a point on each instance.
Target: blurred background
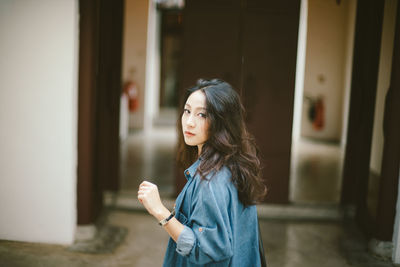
(90, 94)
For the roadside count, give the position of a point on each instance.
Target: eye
(186, 111)
(203, 115)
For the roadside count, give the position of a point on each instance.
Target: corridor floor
(298, 235)
(286, 243)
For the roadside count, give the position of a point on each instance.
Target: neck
(199, 147)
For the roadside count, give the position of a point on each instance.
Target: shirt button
(187, 172)
(201, 229)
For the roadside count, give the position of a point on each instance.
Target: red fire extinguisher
(319, 120)
(132, 91)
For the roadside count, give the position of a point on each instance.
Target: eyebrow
(203, 108)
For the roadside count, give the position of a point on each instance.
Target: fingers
(149, 197)
(146, 183)
(142, 193)
(140, 197)
(146, 188)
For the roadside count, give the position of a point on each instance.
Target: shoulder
(219, 184)
(221, 177)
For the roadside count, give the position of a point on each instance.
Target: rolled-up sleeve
(209, 236)
(185, 241)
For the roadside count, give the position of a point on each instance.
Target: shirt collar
(190, 172)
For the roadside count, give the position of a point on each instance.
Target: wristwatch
(165, 221)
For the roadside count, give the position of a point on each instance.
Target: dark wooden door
(109, 85)
(211, 42)
(88, 61)
(356, 169)
(99, 94)
(252, 45)
(388, 190)
(270, 51)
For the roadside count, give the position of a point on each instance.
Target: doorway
(152, 34)
(321, 101)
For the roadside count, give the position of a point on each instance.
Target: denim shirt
(218, 229)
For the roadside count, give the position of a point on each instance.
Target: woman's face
(194, 120)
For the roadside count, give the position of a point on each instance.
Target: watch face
(164, 221)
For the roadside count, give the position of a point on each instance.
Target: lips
(187, 133)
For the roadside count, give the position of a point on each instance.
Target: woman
(215, 221)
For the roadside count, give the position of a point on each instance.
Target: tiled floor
(302, 235)
(316, 172)
(149, 157)
(287, 244)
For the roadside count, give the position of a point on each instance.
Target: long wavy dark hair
(229, 143)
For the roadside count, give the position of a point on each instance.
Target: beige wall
(134, 52)
(38, 118)
(326, 60)
(385, 69)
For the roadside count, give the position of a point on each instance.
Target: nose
(190, 121)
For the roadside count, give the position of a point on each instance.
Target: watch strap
(165, 221)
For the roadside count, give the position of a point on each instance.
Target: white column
(300, 68)
(151, 107)
(38, 120)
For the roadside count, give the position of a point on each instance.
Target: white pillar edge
(300, 70)
(396, 231)
(151, 94)
(299, 87)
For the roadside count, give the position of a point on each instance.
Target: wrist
(162, 213)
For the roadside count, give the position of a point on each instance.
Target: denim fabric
(219, 230)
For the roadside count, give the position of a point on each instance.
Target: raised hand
(149, 196)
